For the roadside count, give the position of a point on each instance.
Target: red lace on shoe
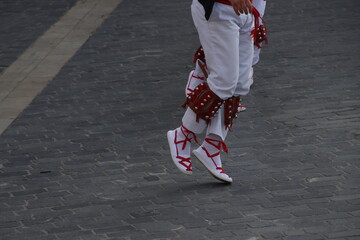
(219, 145)
(189, 135)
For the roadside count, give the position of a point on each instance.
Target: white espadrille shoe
(212, 161)
(180, 146)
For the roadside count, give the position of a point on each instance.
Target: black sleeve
(208, 6)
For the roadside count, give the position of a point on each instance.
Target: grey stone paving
(88, 159)
(21, 22)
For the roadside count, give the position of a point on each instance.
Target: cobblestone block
(88, 159)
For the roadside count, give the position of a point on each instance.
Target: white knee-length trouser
(229, 50)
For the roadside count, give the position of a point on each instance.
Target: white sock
(197, 71)
(209, 143)
(184, 136)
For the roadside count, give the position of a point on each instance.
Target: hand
(241, 6)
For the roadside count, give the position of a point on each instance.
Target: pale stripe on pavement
(24, 79)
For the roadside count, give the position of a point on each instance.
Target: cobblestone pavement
(88, 159)
(21, 24)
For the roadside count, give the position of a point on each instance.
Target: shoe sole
(212, 174)
(242, 109)
(170, 141)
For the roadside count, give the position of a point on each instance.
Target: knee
(225, 90)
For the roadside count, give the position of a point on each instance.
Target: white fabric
(228, 48)
(194, 79)
(216, 126)
(175, 139)
(213, 150)
(211, 165)
(197, 70)
(256, 58)
(260, 5)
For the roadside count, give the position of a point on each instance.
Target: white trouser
(229, 50)
(260, 5)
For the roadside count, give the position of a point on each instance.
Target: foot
(211, 159)
(180, 144)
